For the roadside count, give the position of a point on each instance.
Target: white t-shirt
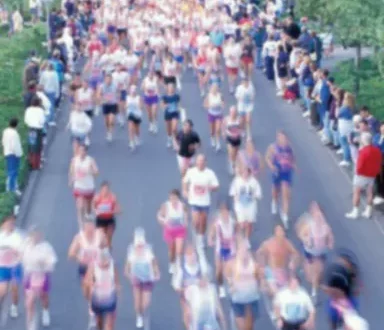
(202, 40)
(39, 257)
(199, 185)
(131, 61)
(245, 192)
(11, 248)
(295, 306)
(79, 123)
(232, 54)
(244, 94)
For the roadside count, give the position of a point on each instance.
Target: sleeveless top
(317, 240)
(215, 104)
(169, 69)
(150, 87)
(89, 250)
(105, 206)
(109, 94)
(84, 98)
(141, 265)
(175, 216)
(215, 76)
(252, 162)
(225, 234)
(104, 289)
(10, 247)
(83, 178)
(133, 106)
(190, 278)
(233, 128)
(245, 287)
(283, 158)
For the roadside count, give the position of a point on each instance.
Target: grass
(13, 53)
(371, 84)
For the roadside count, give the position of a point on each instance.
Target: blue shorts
(310, 257)
(179, 59)
(100, 309)
(225, 254)
(123, 95)
(334, 315)
(8, 274)
(139, 53)
(240, 309)
(197, 208)
(82, 270)
(168, 116)
(281, 177)
(79, 138)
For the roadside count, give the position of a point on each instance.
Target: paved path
(142, 181)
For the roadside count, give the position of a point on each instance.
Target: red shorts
(233, 71)
(83, 194)
(219, 49)
(172, 233)
(247, 60)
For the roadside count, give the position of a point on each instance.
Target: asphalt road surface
(142, 181)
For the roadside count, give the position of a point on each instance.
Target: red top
(94, 46)
(105, 206)
(369, 161)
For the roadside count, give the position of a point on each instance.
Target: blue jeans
(259, 59)
(13, 166)
(335, 134)
(327, 126)
(52, 99)
(345, 147)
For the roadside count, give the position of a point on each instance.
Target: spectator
(30, 94)
(317, 51)
(378, 140)
(374, 124)
(31, 72)
(13, 151)
(34, 10)
(306, 82)
(338, 96)
(259, 38)
(17, 22)
(294, 59)
(292, 29)
(305, 40)
(360, 126)
(324, 98)
(34, 118)
(368, 166)
(49, 81)
(282, 63)
(345, 126)
(59, 63)
(269, 53)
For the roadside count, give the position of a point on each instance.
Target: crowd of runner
(136, 55)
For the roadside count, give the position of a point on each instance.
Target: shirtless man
(277, 254)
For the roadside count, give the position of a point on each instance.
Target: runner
(281, 161)
(244, 275)
(84, 99)
(106, 207)
(11, 251)
(294, 307)
(142, 270)
(39, 262)
(250, 158)
(134, 115)
(169, 70)
(82, 173)
(245, 190)
(173, 217)
(108, 98)
(200, 65)
(131, 64)
(80, 126)
(186, 143)
(232, 131)
(170, 104)
(222, 235)
(276, 255)
(232, 53)
(317, 238)
(198, 184)
(150, 88)
(121, 78)
(245, 95)
(177, 52)
(247, 56)
(214, 104)
(203, 309)
(103, 285)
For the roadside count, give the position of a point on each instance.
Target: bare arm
(269, 158)
(161, 214)
(74, 248)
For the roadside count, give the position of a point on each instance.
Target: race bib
(199, 190)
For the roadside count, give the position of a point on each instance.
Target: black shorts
(105, 223)
(121, 32)
(159, 74)
(89, 113)
(168, 116)
(170, 80)
(110, 109)
(132, 118)
(233, 141)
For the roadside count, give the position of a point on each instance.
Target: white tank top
(177, 48)
(317, 240)
(150, 86)
(225, 234)
(233, 127)
(104, 282)
(215, 104)
(89, 250)
(169, 69)
(175, 216)
(245, 286)
(84, 98)
(133, 105)
(84, 179)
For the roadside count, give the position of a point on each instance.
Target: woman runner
(245, 94)
(232, 132)
(142, 270)
(222, 235)
(134, 116)
(39, 261)
(82, 172)
(169, 70)
(170, 104)
(244, 275)
(201, 64)
(250, 158)
(84, 99)
(214, 104)
(247, 57)
(245, 190)
(121, 78)
(103, 285)
(232, 54)
(173, 218)
(106, 206)
(150, 88)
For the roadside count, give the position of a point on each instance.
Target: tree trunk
(357, 69)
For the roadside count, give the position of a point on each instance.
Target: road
(142, 180)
